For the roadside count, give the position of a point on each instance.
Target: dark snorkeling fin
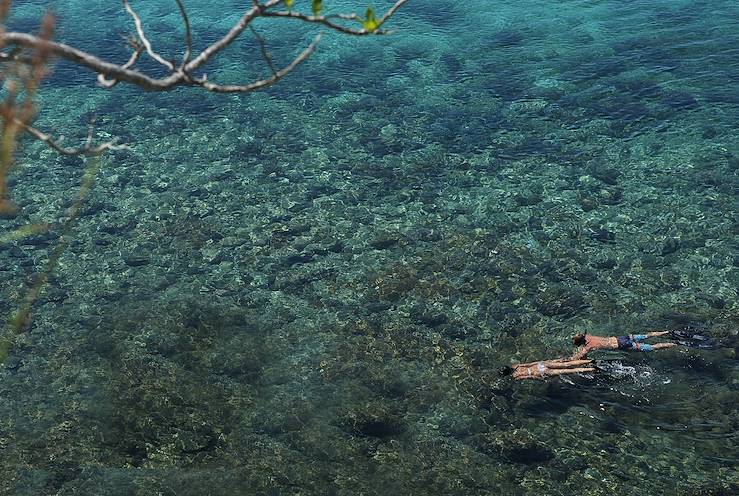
(687, 337)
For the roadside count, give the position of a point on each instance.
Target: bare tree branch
(328, 20)
(325, 20)
(263, 47)
(21, 81)
(109, 83)
(15, 55)
(110, 74)
(232, 34)
(188, 33)
(144, 40)
(392, 10)
(92, 62)
(234, 88)
(56, 145)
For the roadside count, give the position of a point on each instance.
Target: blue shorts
(634, 342)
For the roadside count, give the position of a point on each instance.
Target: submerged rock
(559, 300)
(372, 420)
(517, 446)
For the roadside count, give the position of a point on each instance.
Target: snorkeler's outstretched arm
(580, 354)
(550, 362)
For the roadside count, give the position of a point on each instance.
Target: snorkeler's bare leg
(655, 334)
(559, 360)
(579, 370)
(659, 346)
(569, 364)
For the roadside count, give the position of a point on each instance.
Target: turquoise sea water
(309, 290)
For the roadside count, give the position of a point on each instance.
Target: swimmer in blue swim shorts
(630, 342)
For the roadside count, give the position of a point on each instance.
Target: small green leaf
(289, 4)
(317, 6)
(370, 22)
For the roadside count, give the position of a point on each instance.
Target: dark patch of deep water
(309, 290)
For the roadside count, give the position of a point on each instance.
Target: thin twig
(217, 88)
(392, 10)
(263, 47)
(144, 40)
(327, 20)
(232, 34)
(90, 132)
(109, 83)
(16, 112)
(324, 20)
(188, 34)
(22, 317)
(56, 145)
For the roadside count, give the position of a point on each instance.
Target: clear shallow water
(308, 290)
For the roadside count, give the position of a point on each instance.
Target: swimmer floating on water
(547, 368)
(630, 342)
(580, 364)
